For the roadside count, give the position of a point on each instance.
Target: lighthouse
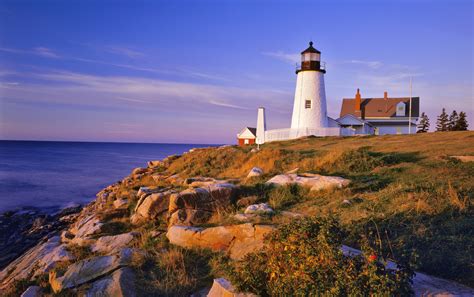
(309, 108)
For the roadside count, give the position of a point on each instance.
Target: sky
(196, 71)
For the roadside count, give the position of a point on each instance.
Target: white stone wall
(382, 130)
(309, 86)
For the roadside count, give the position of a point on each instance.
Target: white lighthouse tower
(309, 109)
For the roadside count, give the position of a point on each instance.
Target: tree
(424, 124)
(461, 124)
(453, 119)
(442, 122)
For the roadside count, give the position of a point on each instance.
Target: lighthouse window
(307, 104)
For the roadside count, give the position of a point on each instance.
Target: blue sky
(196, 71)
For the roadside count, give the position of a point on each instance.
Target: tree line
(453, 122)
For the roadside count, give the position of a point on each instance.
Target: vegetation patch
(304, 258)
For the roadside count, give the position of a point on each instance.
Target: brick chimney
(385, 99)
(357, 104)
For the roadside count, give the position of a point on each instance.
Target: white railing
(286, 134)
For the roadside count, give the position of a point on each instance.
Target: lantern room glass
(310, 57)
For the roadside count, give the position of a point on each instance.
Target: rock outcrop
(236, 240)
(151, 206)
(262, 208)
(113, 243)
(313, 181)
(256, 171)
(88, 270)
(32, 291)
(195, 206)
(223, 288)
(121, 283)
(37, 260)
(464, 158)
(85, 228)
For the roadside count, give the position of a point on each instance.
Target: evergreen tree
(453, 119)
(424, 124)
(442, 122)
(461, 124)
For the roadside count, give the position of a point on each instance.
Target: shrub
(304, 258)
(284, 196)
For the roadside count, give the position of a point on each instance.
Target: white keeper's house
(359, 116)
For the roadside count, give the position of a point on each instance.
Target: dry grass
(456, 201)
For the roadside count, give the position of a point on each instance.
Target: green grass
(406, 185)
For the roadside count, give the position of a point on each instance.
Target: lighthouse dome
(310, 54)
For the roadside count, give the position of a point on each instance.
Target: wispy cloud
(370, 64)
(125, 51)
(37, 51)
(134, 92)
(49, 53)
(291, 58)
(130, 52)
(45, 52)
(224, 104)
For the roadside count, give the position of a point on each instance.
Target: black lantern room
(311, 60)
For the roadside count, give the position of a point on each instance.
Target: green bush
(284, 196)
(304, 258)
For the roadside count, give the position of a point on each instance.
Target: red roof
(380, 107)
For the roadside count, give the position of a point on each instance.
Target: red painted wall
(241, 141)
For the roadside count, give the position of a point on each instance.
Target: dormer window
(400, 109)
(307, 104)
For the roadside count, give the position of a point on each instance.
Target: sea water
(47, 174)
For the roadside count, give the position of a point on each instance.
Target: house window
(307, 104)
(400, 109)
(246, 141)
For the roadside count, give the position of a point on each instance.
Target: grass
(407, 185)
(170, 270)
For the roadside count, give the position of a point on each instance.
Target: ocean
(51, 175)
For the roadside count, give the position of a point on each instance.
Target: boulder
(39, 259)
(145, 191)
(313, 181)
(256, 171)
(152, 206)
(290, 214)
(244, 217)
(175, 179)
(87, 270)
(262, 208)
(158, 178)
(156, 163)
(223, 288)
(464, 158)
(120, 203)
(196, 182)
(32, 291)
(246, 201)
(292, 171)
(85, 228)
(66, 236)
(121, 283)
(114, 243)
(139, 170)
(195, 206)
(236, 240)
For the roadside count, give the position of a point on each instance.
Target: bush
(285, 196)
(304, 258)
